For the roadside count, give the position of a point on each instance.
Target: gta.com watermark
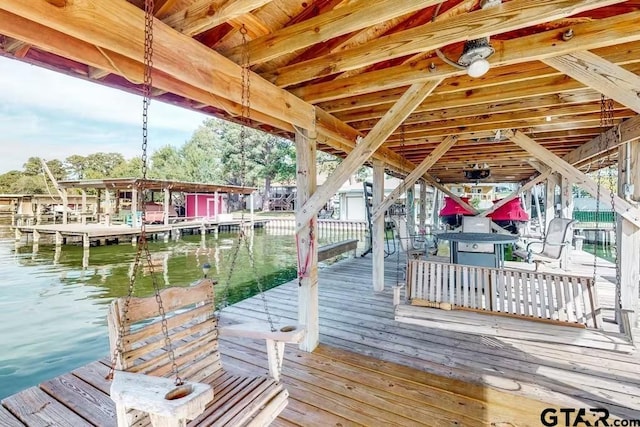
(583, 417)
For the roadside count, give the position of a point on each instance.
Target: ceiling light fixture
(475, 52)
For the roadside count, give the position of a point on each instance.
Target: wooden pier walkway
(371, 370)
(88, 234)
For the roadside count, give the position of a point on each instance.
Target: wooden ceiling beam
(564, 123)
(415, 174)
(66, 46)
(545, 115)
(627, 131)
(510, 16)
(365, 149)
(121, 31)
(587, 36)
(203, 15)
(599, 74)
(358, 109)
(15, 47)
(357, 15)
(622, 207)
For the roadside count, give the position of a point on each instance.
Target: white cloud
(51, 115)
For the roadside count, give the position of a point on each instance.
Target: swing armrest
(282, 333)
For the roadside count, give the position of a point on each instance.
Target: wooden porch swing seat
(553, 247)
(193, 332)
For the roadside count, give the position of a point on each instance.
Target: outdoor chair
(409, 243)
(553, 247)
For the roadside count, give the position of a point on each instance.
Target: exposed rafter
(601, 75)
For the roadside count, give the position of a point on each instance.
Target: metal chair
(408, 242)
(554, 245)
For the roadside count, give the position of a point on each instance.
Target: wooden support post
(422, 217)
(536, 199)
(134, 208)
(167, 203)
(566, 198)
(58, 238)
(435, 209)
(86, 243)
(85, 258)
(628, 238)
(216, 205)
(549, 203)
(38, 213)
(411, 209)
(65, 203)
(107, 203)
(18, 234)
(83, 207)
(378, 227)
(36, 237)
(307, 241)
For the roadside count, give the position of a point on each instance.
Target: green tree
(100, 165)
(8, 179)
(31, 184)
(200, 158)
(76, 165)
(128, 169)
(167, 163)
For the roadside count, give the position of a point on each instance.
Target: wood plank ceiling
(353, 59)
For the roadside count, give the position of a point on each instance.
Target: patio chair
(554, 245)
(408, 242)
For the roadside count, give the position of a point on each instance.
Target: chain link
(143, 244)
(609, 117)
(242, 240)
(606, 128)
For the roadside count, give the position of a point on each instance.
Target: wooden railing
(338, 248)
(533, 295)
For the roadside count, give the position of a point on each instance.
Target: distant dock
(101, 234)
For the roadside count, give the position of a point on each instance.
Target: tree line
(218, 152)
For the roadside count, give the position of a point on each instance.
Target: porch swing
(165, 358)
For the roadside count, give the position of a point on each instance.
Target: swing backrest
(406, 239)
(191, 326)
(559, 234)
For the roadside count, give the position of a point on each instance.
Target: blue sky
(51, 115)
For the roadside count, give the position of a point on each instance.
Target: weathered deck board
(36, 408)
(85, 400)
(8, 420)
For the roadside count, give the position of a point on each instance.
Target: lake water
(53, 311)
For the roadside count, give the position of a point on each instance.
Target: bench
(334, 249)
(547, 297)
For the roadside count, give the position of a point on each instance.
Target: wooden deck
(75, 232)
(371, 370)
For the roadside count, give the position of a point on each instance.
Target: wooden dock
(470, 369)
(99, 234)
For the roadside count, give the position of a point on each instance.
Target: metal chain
(143, 244)
(601, 145)
(245, 119)
(609, 117)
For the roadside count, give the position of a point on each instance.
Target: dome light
(478, 68)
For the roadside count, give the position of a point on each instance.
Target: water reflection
(53, 302)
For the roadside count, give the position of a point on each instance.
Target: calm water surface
(53, 311)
